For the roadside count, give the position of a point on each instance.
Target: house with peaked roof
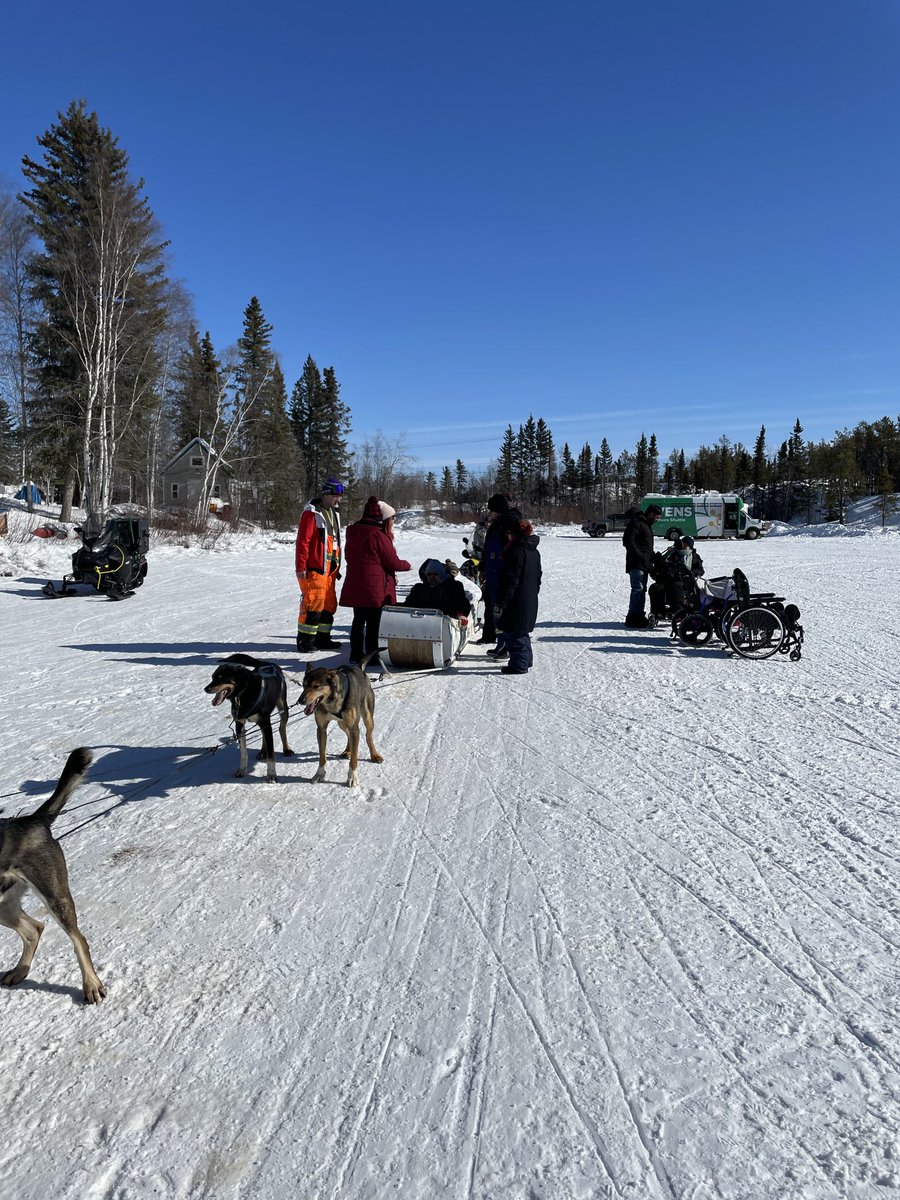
(184, 475)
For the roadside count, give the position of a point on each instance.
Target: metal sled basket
(411, 638)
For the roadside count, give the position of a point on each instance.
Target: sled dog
(256, 689)
(31, 855)
(341, 694)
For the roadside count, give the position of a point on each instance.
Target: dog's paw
(353, 779)
(288, 752)
(377, 758)
(271, 779)
(94, 991)
(319, 776)
(11, 978)
(239, 774)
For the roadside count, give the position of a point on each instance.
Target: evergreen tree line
(813, 480)
(104, 374)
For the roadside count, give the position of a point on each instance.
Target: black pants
(364, 632)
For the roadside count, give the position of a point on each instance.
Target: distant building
(184, 475)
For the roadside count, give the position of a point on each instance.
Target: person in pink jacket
(371, 564)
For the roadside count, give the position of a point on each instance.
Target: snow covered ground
(627, 926)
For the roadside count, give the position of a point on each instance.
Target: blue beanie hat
(433, 567)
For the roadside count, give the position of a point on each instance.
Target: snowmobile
(112, 560)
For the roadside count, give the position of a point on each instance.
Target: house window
(174, 491)
(197, 461)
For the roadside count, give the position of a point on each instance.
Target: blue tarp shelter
(29, 492)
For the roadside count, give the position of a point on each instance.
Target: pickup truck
(614, 523)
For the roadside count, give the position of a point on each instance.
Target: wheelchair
(753, 625)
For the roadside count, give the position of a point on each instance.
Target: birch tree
(100, 283)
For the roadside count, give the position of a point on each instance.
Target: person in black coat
(440, 590)
(516, 600)
(638, 542)
(499, 509)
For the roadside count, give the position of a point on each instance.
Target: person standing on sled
(516, 600)
(317, 560)
(638, 542)
(371, 582)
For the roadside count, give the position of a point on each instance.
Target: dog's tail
(73, 772)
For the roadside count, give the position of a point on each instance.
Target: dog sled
(112, 560)
(412, 639)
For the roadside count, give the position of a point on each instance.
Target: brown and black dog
(341, 694)
(31, 855)
(256, 689)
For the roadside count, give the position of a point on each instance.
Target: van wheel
(672, 534)
(751, 535)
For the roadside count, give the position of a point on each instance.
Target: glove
(463, 621)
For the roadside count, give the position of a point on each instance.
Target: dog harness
(266, 672)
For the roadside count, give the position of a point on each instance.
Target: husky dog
(341, 694)
(256, 689)
(31, 855)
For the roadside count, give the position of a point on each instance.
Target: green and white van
(708, 515)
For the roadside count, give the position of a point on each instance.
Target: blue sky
(678, 218)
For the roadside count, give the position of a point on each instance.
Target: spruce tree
(653, 462)
(336, 427)
(759, 459)
(641, 466)
(321, 424)
(195, 392)
(546, 461)
(462, 476)
(9, 465)
(506, 462)
(269, 455)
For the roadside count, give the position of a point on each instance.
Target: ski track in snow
(624, 929)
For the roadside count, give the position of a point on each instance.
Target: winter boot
(636, 621)
(305, 645)
(498, 652)
(324, 642)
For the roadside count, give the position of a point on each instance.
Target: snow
(624, 927)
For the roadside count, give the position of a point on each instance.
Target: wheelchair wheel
(756, 633)
(695, 630)
(724, 619)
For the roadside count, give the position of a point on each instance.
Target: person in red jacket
(317, 560)
(371, 582)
